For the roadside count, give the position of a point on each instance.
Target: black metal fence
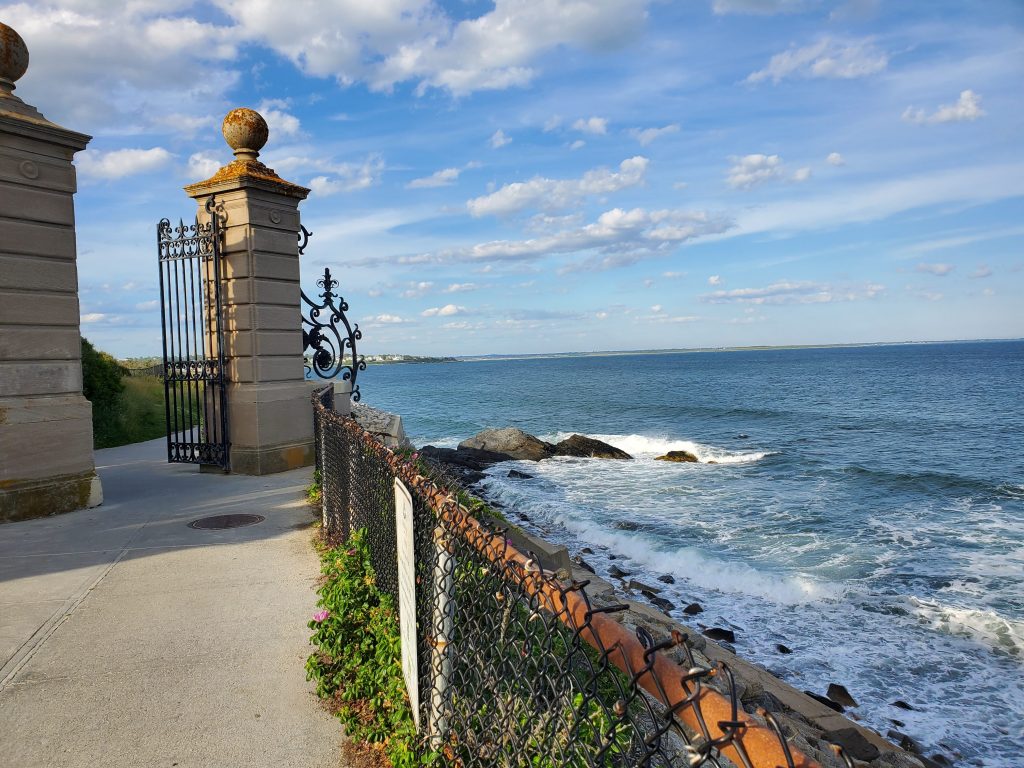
(515, 665)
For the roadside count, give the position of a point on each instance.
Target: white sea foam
(699, 569)
(987, 627)
(642, 445)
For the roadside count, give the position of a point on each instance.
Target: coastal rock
(511, 442)
(516, 474)
(616, 572)
(661, 602)
(666, 578)
(840, 695)
(471, 458)
(905, 742)
(583, 564)
(639, 586)
(717, 633)
(693, 609)
(627, 525)
(587, 551)
(679, 456)
(588, 447)
(902, 705)
(826, 701)
(783, 648)
(853, 743)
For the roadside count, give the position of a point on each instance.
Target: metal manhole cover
(220, 522)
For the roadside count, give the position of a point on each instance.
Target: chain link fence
(516, 667)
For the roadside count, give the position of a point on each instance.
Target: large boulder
(680, 456)
(588, 447)
(470, 458)
(512, 442)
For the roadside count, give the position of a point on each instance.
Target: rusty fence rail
(514, 665)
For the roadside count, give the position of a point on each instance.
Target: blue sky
(539, 176)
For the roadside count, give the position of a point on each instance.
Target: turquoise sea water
(866, 508)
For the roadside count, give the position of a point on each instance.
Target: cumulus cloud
(347, 177)
(647, 135)
(939, 270)
(595, 126)
(966, 109)
(442, 178)
(826, 58)
(386, 319)
(417, 289)
(202, 165)
(118, 163)
(93, 317)
(799, 292)
(715, 280)
(834, 158)
(558, 193)
(801, 174)
(446, 311)
(499, 139)
(578, 144)
(461, 287)
(280, 122)
(750, 170)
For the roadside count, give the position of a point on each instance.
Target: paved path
(129, 639)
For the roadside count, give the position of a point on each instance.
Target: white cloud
(499, 139)
(578, 144)
(646, 135)
(442, 178)
(801, 292)
(760, 7)
(387, 319)
(93, 317)
(834, 158)
(553, 122)
(826, 58)
(417, 289)
(595, 126)
(750, 170)
(446, 311)
(145, 306)
(801, 174)
(119, 163)
(656, 309)
(347, 177)
(202, 165)
(281, 123)
(967, 108)
(461, 287)
(983, 270)
(715, 280)
(939, 269)
(673, 275)
(558, 193)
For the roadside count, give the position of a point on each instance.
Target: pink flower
(350, 552)
(320, 616)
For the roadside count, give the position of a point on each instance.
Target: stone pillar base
(266, 460)
(51, 496)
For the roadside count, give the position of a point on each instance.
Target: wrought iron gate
(193, 340)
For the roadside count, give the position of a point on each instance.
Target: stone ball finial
(246, 132)
(13, 58)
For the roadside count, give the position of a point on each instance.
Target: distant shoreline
(695, 350)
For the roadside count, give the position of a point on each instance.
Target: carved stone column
(269, 411)
(46, 456)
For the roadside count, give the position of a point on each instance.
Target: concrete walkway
(129, 639)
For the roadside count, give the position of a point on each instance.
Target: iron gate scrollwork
(193, 340)
(329, 342)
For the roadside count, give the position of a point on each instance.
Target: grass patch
(134, 415)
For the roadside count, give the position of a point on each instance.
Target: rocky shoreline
(813, 719)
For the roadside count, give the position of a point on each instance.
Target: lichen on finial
(13, 59)
(246, 132)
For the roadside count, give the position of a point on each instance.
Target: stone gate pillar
(270, 417)
(46, 457)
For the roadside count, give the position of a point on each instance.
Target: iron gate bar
(327, 340)
(195, 400)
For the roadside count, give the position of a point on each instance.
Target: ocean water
(866, 508)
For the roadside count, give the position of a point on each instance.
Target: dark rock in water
(680, 456)
(583, 564)
(939, 760)
(588, 447)
(464, 457)
(717, 633)
(510, 441)
(905, 742)
(774, 672)
(587, 551)
(661, 602)
(742, 436)
(627, 525)
(639, 586)
(472, 477)
(902, 705)
(826, 701)
(613, 557)
(525, 518)
(617, 572)
(853, 743)
(840, 695)
(693, 609)
(728, 646)
(897, 723)
(515, 473)
(783, 648)
(666, 578)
